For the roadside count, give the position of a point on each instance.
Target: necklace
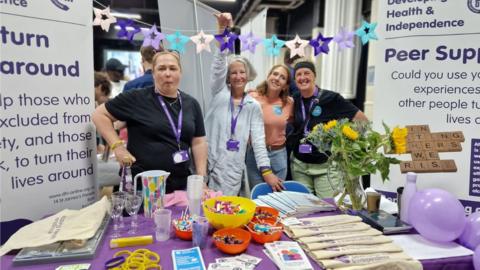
(171, 103)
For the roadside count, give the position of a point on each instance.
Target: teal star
(366, 32)
(177, 41)
(273, 45)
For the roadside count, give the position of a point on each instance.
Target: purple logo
(60, 5)
(474, 5)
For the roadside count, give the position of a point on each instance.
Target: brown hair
(102, 80)
(174, 54)
(263, 86)
(147, 53)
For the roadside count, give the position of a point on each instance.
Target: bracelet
(266, 172)
(116, 144)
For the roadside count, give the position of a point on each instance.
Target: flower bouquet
(354, 147)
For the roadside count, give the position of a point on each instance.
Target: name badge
(180, 156)
(305, 148)
(233, 145)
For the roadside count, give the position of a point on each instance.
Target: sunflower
(399, 138)
(349, 132)
(329, 125)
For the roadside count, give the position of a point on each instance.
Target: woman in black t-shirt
(314, 106)
(157, 140)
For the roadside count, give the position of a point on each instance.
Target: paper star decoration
(320, 44)
(273, 45)
(344, 39)
(226, 40)
(123, 32)
(249, 42)
(152, 37)
(177, 41)
(366, 32)
(297, 46)
(202, 41)
(104, 23)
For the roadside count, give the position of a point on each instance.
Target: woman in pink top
(277, 108)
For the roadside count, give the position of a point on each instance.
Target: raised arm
(219, 64)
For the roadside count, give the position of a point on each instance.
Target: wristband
(267, 172)
(116, 144)
(116, 261)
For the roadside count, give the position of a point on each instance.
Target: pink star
(104, 23)
(297, 46)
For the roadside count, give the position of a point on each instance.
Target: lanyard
(233, 122)
(177, 130)
(305, 116)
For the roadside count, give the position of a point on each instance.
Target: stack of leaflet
(287, 255)
(291, 203)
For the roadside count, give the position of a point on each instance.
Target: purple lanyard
(233, 123)
(177, 130)
(305, 116)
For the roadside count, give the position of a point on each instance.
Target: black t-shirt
(330, 105)
(150, 137)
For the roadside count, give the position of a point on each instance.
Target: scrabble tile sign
(424, 147)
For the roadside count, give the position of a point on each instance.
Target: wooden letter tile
(432, 155)
(448, 165)
(419, 155)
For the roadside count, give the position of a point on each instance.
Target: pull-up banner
(427, 72)
(47, 140)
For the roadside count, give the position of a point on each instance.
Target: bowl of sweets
(231, 240)
(265, 231)
(228, 211)
(265, 213)
(183, 227)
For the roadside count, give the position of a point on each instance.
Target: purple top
(209, 253)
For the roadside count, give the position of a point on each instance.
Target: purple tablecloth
(164, 249)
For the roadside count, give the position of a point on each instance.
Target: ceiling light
(129, 28)
(126, 15)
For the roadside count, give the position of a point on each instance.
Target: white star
(297, 46)
(104, 23)
(202, 41)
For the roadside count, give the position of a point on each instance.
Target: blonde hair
(174, 54)
(262, 88)
(249, 69)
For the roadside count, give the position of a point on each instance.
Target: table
(164, 249)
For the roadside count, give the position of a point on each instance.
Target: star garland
(226, 39)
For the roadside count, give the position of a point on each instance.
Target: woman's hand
(274, 182)
(224, 20)
(123, 156)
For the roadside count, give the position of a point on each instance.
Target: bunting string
(226, 40)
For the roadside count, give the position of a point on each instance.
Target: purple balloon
(437, 215)
(476, 258)
(471, 234)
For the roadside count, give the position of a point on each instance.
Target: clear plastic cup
(163, 221)
(200, 228)
(195, 194)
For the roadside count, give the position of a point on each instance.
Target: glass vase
(354, 189)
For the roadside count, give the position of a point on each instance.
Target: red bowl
(263, 238)
(232, 248)
(184, 235)
(271, 212)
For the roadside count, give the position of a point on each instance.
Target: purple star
(249, 42)
(226, 40)
(123, 32)
(152, 37)
(344, 39)
(320, 44)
